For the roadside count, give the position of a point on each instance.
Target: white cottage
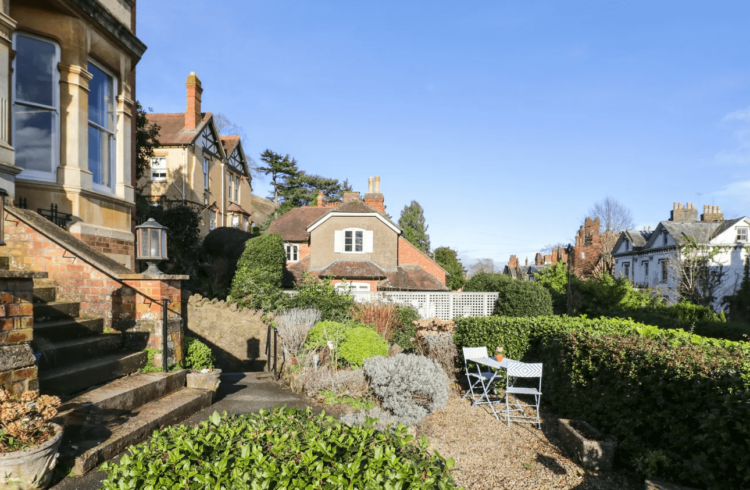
(647, 257)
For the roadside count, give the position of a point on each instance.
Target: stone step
(45, 294)
(77, 377)
(117, 398)
(55, 354)
(100, 443)
(57, 310)
(75, 328)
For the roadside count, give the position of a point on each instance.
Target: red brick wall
(16, 329)
(408, 254)
(108, 245)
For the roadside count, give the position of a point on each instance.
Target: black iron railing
(271, 352)
(53, 215)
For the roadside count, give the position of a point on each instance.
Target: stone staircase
(107, 404)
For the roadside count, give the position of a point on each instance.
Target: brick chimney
(321, 200)
(193, 115)
(348, 196)
(684, 215)
(527, 261)
(374, 198)
(513, 261)
(538, 260)
(548, 259)
(712, 213)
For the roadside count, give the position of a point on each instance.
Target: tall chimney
(712, 213)
(193, 116)
(685, 214)
(321, 200)
(374, 198)
(377, 184)
(369, 184)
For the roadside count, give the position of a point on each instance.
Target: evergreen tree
(414, 228)
(739, 302)
(448, 260)
(146, 138)
(280, 168)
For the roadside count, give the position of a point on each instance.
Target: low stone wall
(236, 336)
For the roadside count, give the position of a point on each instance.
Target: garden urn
(30, 469)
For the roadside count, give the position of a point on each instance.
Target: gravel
(489, 455)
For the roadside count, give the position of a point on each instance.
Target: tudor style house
(196, 166)
(647, 257)
(355, 245)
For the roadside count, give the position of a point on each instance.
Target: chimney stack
(513, 262)
(374, 198)
(193, 115)
(348, 196)
(687, 214)
(527, 261)
(711, 214)
(321, 200)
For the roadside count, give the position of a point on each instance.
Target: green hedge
(678, 405)
(257, 281)
(523, 298)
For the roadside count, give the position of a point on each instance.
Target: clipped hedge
(523, 298)
(257, 281)
(679, 405)
(282, 448)
(362, 343)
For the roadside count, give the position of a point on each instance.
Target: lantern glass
(154, 243)
(143, 239)
(164, 243)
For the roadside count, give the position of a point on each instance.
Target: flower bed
(282, 448)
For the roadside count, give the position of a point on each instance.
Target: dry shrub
(441, 348)
(24, 423)
(383, 316)
(293, 326)
(341, 383)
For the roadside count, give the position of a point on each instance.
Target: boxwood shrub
(361, 343)
(281, 448)
(679, 405)
(523, 298)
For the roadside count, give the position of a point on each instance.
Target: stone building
(355, 245)
(196, 166)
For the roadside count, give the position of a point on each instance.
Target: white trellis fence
(445, 306)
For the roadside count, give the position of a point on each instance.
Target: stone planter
(592, 450)
(661, 485)
(30, 469)
(205, 381)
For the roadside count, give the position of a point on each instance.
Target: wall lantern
(152, 244)
(3, 195)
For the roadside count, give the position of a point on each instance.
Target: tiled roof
(298, 269)
(412, 278)
(172, 128)
(638, 238)
(230, 143)
(355, 269)
(292, 226)
(236, 208)
(701, 232)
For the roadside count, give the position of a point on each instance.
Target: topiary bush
(683, 398)
(282, 448)
(523, 298)
(484, 282)
(408, 386)
(361, 343)
(257, 281)
(197, 355)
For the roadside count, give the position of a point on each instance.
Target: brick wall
(18, 372)
(408, 254)
(236, 336)
(111, 246)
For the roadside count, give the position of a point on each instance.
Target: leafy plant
(257, 281)
(281, 448)
(361, 343)
(24, 423)
(322, 332)
(322, 296)
(198, 355)
(405, 333)
(332, 398)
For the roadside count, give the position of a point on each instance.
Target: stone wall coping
(22, 275)
(153, 277)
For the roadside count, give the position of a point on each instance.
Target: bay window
(36, 106)
(102, 128)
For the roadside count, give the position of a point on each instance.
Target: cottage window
(742, 234)
(205, 173)
(212, 220)
(231, 178)
(102, 127)
(159, 169)
(235, 221)
(664, 271)
(626, 268)
(36, 107)
(292, 252)
(353, 240)
(645, 272)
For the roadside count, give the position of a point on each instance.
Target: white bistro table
(493, 363)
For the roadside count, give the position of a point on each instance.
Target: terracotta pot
(499, 357)
(30, 469)
(204, 381)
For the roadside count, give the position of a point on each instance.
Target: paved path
(238, 393)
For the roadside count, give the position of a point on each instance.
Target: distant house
(644, 256)
(526, 272)
(196, 166)
(592, 253)
(355, 245)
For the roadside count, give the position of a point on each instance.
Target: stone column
(8, 169)
(125, 113)
(74, 126)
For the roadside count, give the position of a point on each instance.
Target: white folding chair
(522, 370)
(482, 378)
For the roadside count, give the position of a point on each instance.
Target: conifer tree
(448, 260)
(280, 168)
(414, 227)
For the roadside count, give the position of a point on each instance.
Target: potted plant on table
(499, 356)
(199, 361)
(28, 440)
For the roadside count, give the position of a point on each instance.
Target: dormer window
(627, 245)
(664, 238)
(353, 240)
(742, 234)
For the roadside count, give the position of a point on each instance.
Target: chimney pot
(369, 184)
(674, 205)
(377, 184)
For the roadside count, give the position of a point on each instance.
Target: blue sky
(505, 120)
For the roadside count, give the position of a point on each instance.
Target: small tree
(699, 277)
(448, 260)
(279, 168)
(483, 282)
(260, 270)
(414, 227)
(146, 139)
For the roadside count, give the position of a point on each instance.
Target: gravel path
(489, 455)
